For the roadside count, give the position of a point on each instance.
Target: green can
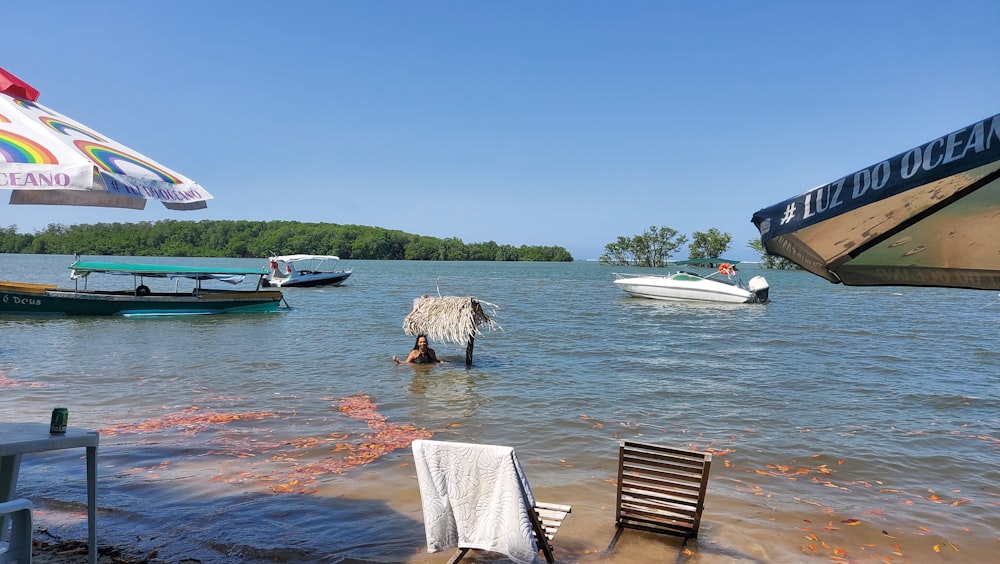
(60, 419)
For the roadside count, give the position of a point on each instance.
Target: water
(853, 424)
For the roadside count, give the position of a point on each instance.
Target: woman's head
(421, 341)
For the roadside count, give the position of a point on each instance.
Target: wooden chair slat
(661, 489)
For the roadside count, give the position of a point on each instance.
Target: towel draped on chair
(475, 496)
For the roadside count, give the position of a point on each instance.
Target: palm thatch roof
(450, 319)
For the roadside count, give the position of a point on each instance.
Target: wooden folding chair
(545, 521)
(436, 461)
(661, 489)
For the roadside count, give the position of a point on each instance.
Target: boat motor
(758, 286)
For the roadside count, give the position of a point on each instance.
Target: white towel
(475, 496)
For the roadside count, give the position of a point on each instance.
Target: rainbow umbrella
(48, 158)
(927, 217)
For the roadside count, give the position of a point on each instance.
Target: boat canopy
(233, 275)
(299, 258)
(702, 262)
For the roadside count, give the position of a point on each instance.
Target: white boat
(288, 271)
(695, 283)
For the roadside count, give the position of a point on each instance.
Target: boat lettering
(32, 179)
(18, 300)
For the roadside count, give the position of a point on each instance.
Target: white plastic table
(17, 439)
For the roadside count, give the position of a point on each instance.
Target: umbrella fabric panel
(45, 156)
(927, 217)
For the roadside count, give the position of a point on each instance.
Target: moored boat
(302, 271)
(140, 300)
(695, 283)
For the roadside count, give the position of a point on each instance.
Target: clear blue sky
(523, 122)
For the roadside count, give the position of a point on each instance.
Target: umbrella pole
(468, 351)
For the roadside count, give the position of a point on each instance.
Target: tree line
(254, 239)
(656, 246)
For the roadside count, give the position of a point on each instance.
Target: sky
(560, 122)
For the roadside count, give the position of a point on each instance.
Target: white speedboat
(721, 284)
(288, 271)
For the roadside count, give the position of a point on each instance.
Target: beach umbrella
(48, 158)
(927, 217)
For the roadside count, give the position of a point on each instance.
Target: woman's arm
(409, 358)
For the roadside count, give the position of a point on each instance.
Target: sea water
(848, 424)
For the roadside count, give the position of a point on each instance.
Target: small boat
(302, 271)
(696, 283)
(47, 299)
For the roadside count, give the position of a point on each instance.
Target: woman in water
(420, 354)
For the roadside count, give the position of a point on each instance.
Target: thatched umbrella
(451, 320)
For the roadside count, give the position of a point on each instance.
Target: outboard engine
(759, 288)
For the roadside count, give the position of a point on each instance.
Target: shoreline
(734, 531)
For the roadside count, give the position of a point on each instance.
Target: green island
(250, 239)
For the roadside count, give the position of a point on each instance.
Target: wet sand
(734, 530)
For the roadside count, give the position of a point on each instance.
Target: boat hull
(41, 299)
(692, 289)
(310, 280)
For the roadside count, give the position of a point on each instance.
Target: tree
(652, 248)
(711, 244)
(770, 261)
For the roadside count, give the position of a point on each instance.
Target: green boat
(25, 298)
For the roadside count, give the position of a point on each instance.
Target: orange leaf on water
(937, 548)
(851, 522)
